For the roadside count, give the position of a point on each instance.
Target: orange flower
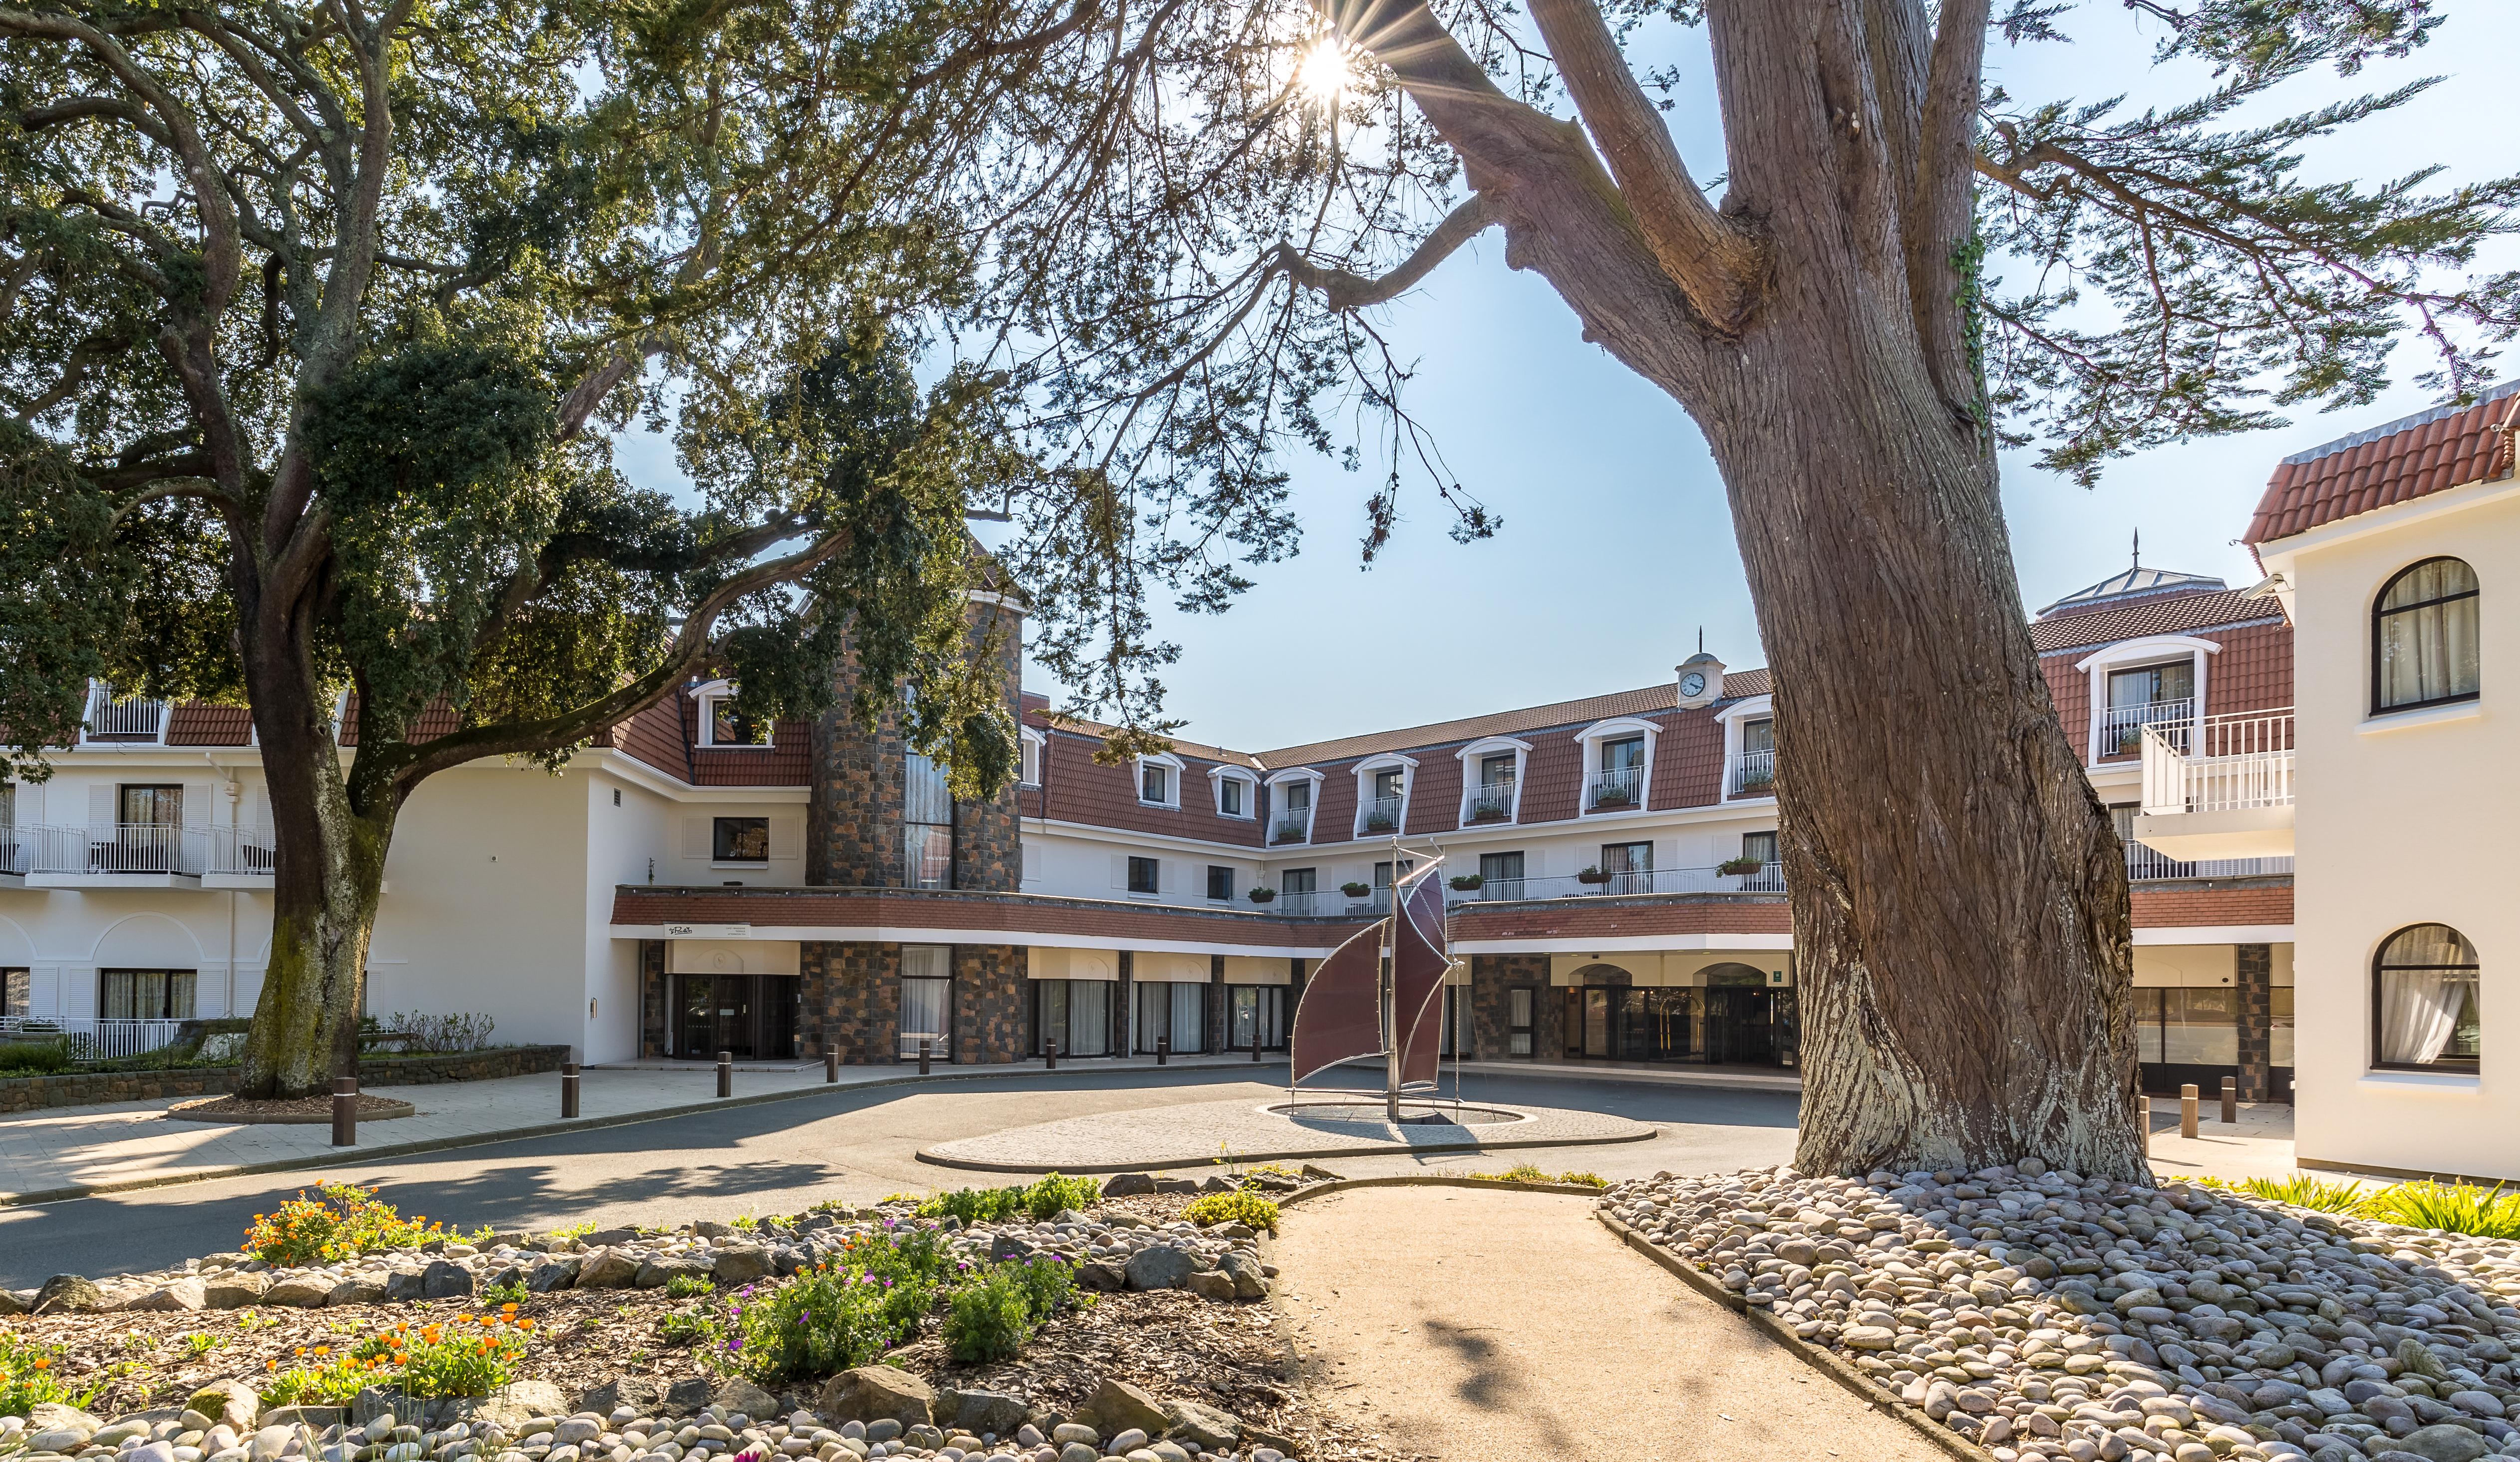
(271, 1365)
(323, 1350)
(507, 1309)
(44, 1362)
(302, 1349)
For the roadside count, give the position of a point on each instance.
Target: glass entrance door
(714, 1014)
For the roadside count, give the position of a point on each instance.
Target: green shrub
(337, 1382)
(1242, 1207)
(689, 1286)
(2459, 1208)
(990, 1320)
(31, 1373)
(2302, 1191)
(825, 1320)
(339, 1220)
(35, 1058)
(1049, 1285)
(1039, 1201)
(512, 1293)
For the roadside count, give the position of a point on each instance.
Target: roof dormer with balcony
(1492, 778)
(1293, 795)
(1383, 785)
(1749, 749)
(1618, 767)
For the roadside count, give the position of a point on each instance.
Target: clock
(1692, 684)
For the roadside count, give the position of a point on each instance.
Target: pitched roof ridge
(2401, 424)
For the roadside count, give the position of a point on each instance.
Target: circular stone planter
(297, 1113)
(1413, 1112)
(1342, 1124)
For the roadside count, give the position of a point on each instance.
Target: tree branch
(1712, 257)
(1943, 206)
(166, 487)
(1342, 289)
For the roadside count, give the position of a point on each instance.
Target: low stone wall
(92, 1088)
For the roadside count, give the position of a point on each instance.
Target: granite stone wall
(1491, 977)
(851, 993)
(88, 1088)
(988, 848)
(2255, 983)
(656, 1011)
(989, 1016)
(853, 812)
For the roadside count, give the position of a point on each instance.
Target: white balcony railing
(118, 848)
(2122, 727)
(1768, 878)
(1751, 774)
(2225, 764)
(1489, 801)
(110, 719)
(91, 1039)
(15, 855)
(242, 851)
(2143, 863)
(1379, 814)
(1615, 787)
(1290, 826)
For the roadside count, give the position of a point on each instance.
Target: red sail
(1338, 1017)
(1417, 970)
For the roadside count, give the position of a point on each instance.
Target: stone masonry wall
(655, 1028)
(989, 1016)
(853, 813)
(2255, 983)
(87, 1088)
(1491, 977)
(988, 848)
(851, 994)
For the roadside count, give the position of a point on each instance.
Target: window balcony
(92, 1039)
(1615, 789)
(2143, 865)
(1290, 827)
(2219, 789)
(1768, 878)
(128, 854)
(1751, 774)
(2122, 727)
(1489, 801)
(1380, 816)
(110, 721)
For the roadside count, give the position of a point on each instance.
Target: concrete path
(1261, 1131)
(55, 1153)
(1469, 1325)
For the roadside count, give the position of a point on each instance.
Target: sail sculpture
(1418, 965)
(1338, 1017)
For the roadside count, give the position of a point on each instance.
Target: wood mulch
(308, 1108)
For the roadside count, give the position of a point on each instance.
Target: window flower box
(1356, 890)
(1741, 866)
(1613, 797)
(1262, 895)
(1466, 883)
(1591, 876)
(1379, 822)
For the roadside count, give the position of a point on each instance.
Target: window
(17, 993)
(740, 840)
(1387, 784)
(1629, 866)
(1382, 879)
(1501, 874)
(927, 1001)
(2423, 1001)
(2423, 637)
(1761, 846)
(1298, 796)
(1220, 883)
(144, 994)
(1030, 775)
(720, 726)
(1155, 783)
(2154, 685)
(1497, 771)
(149, 806)
(1383, 799)
(927, 824)
(1231, 796)
(1626, 753)
(1295, 880)
(1076, 1014)
(1258, 1014)
(1173, 1011)
(1294, 817)
(1142, 876)
(150, 836)
(1518, 1004)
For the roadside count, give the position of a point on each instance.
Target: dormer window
(1491, 779)
(1229, 795)
(1237, 793)
(1749, 747)
(1032, 745)
(719, 725)
(1290, 796)
(1382, 794)
(1618, 765)
(1160, 781)
(2154, 685)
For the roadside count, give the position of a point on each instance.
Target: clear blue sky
(1617, 544)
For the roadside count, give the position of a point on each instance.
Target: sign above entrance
(709, 931)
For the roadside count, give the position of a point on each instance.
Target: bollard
(831, 1066)
(726, 1074)
(567, 1090)
(2187, 1108)
(2144, 1121)
(346, 1110)
(1255, 1050)
(1163, 1049)
(2230, 1100)
(1049, 1055)
(923, 1048)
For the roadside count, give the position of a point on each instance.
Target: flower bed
(91, 1088)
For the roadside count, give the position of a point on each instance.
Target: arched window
(2424, 1013)
(2423, 637)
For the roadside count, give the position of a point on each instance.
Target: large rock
(359, 1289)
(175, 1294)
(303, 1293)
(741, 1264)
(229, 1403)
(1102, 1276)
(606, 1238)
(511, 1408)
(740, 1395)
(687, 1394)
(1212, 1284)
(2443, 1442)
(53, 1416)
(638, 1393)
(1250, 1280)
(233, 1290)
(406, 1285)
(553, 1274)
(1159, 1266)
(69, 1292)
(445, 1280)
(982, 1411)
(656, 1273)
(1116, 1406)
(607, 1269)
(1201, 1425)
(878, 1392)
(1128, 1184)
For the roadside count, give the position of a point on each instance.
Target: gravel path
(1463, 1324)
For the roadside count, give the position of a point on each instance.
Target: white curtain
(2418, 1013)
(1089, 1018)
(2429, 653)
(926, 997)
(1189, 1017)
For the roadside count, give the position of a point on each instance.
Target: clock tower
(1701, 679)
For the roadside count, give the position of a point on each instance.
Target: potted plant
(1612, 797)
(1467, 881)
(1262, 895)
(1487, 812)
(1378, 822)
(1591, 876)
(1754, 782)
(1356, 890)
(1742, 865)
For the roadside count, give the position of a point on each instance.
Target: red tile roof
(199, 723)
(1651, 698)
(2177, 615)
(2415, 456)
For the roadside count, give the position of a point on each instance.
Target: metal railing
(1489, 801)
(2229, 764)
(2143, 863)
(1379, 814)
(1615, 787)
(1750, 774)
(1290, 827)
(94, 1039)
(119, 848)
(110, 719)
(14, 855)
(2122, 727)
(1768, 878)
(241, 851)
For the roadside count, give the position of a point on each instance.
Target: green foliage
(334, 1382)
(988, 1320)
(200, 1342)
(35, 1058)
(1040, 1201)
(31, 1373)
(515, 1291)
(2458, 1207)
(1532, 1173)
(338, 1221)
(1240, 1206)
(689, 1286)
(2302, 1190)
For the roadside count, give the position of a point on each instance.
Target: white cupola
(1699, 679)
